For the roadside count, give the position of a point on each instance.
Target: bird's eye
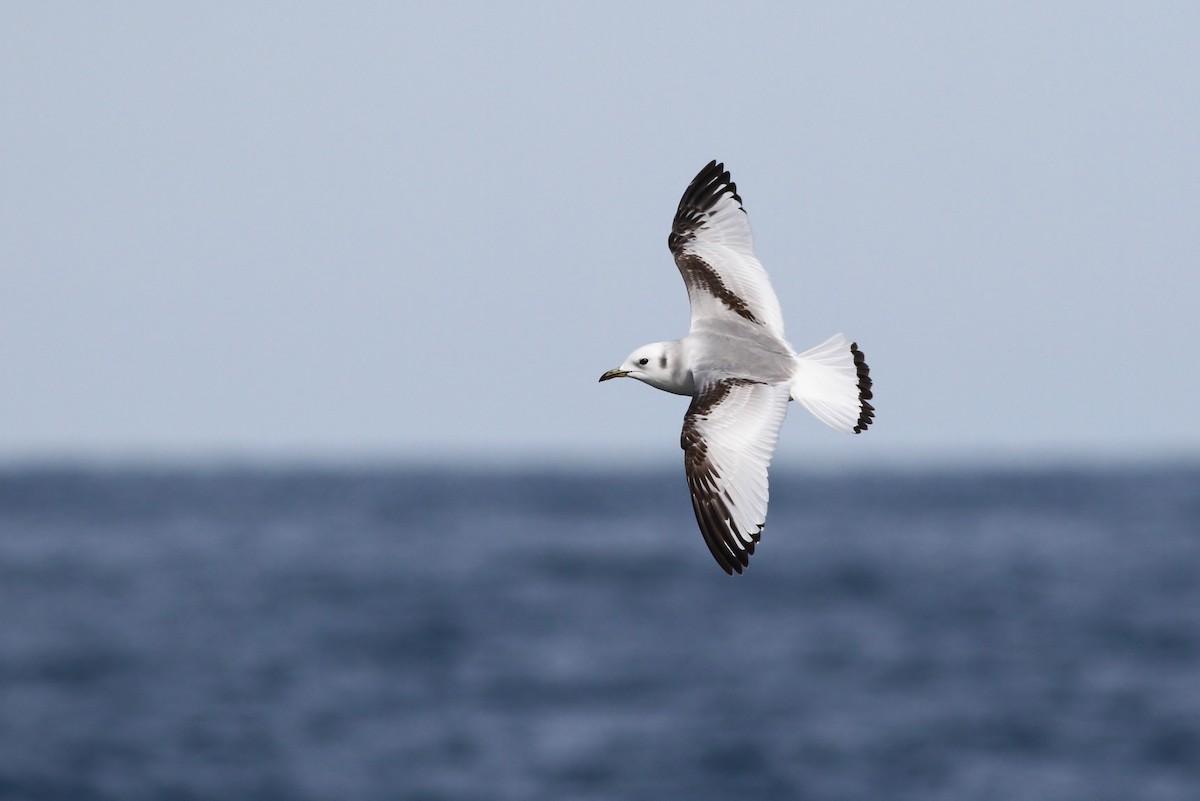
(643, 361)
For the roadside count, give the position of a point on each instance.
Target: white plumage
(739, 369)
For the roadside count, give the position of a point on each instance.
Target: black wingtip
(709, 184)
(698, 200)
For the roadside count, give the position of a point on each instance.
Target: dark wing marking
(698, 201)
(729, 435)
(714, 249)
(699, 275)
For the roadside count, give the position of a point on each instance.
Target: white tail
(833, 382)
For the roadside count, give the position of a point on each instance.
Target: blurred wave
(433, 634)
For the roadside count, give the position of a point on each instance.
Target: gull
(739, 369)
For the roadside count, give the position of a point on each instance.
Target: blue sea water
(433, 634)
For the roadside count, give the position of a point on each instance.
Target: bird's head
(657, 365)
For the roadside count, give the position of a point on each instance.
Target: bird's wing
(714, 250)
(729, 436)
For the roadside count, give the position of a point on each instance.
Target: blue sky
(382, 231)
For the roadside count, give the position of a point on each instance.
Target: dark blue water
(417, 634)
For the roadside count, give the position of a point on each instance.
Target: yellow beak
(617, 373)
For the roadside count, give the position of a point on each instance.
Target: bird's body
(739, 369)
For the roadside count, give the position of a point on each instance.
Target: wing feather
(714, 250)
(729, 436)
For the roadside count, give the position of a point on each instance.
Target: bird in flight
(739, 369)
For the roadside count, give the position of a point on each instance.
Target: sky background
(404, 232)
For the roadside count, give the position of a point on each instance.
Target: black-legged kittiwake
(739, 369)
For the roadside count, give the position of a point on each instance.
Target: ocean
(495, 634)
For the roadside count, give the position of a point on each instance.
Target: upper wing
(714, 249)
(729, 436)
